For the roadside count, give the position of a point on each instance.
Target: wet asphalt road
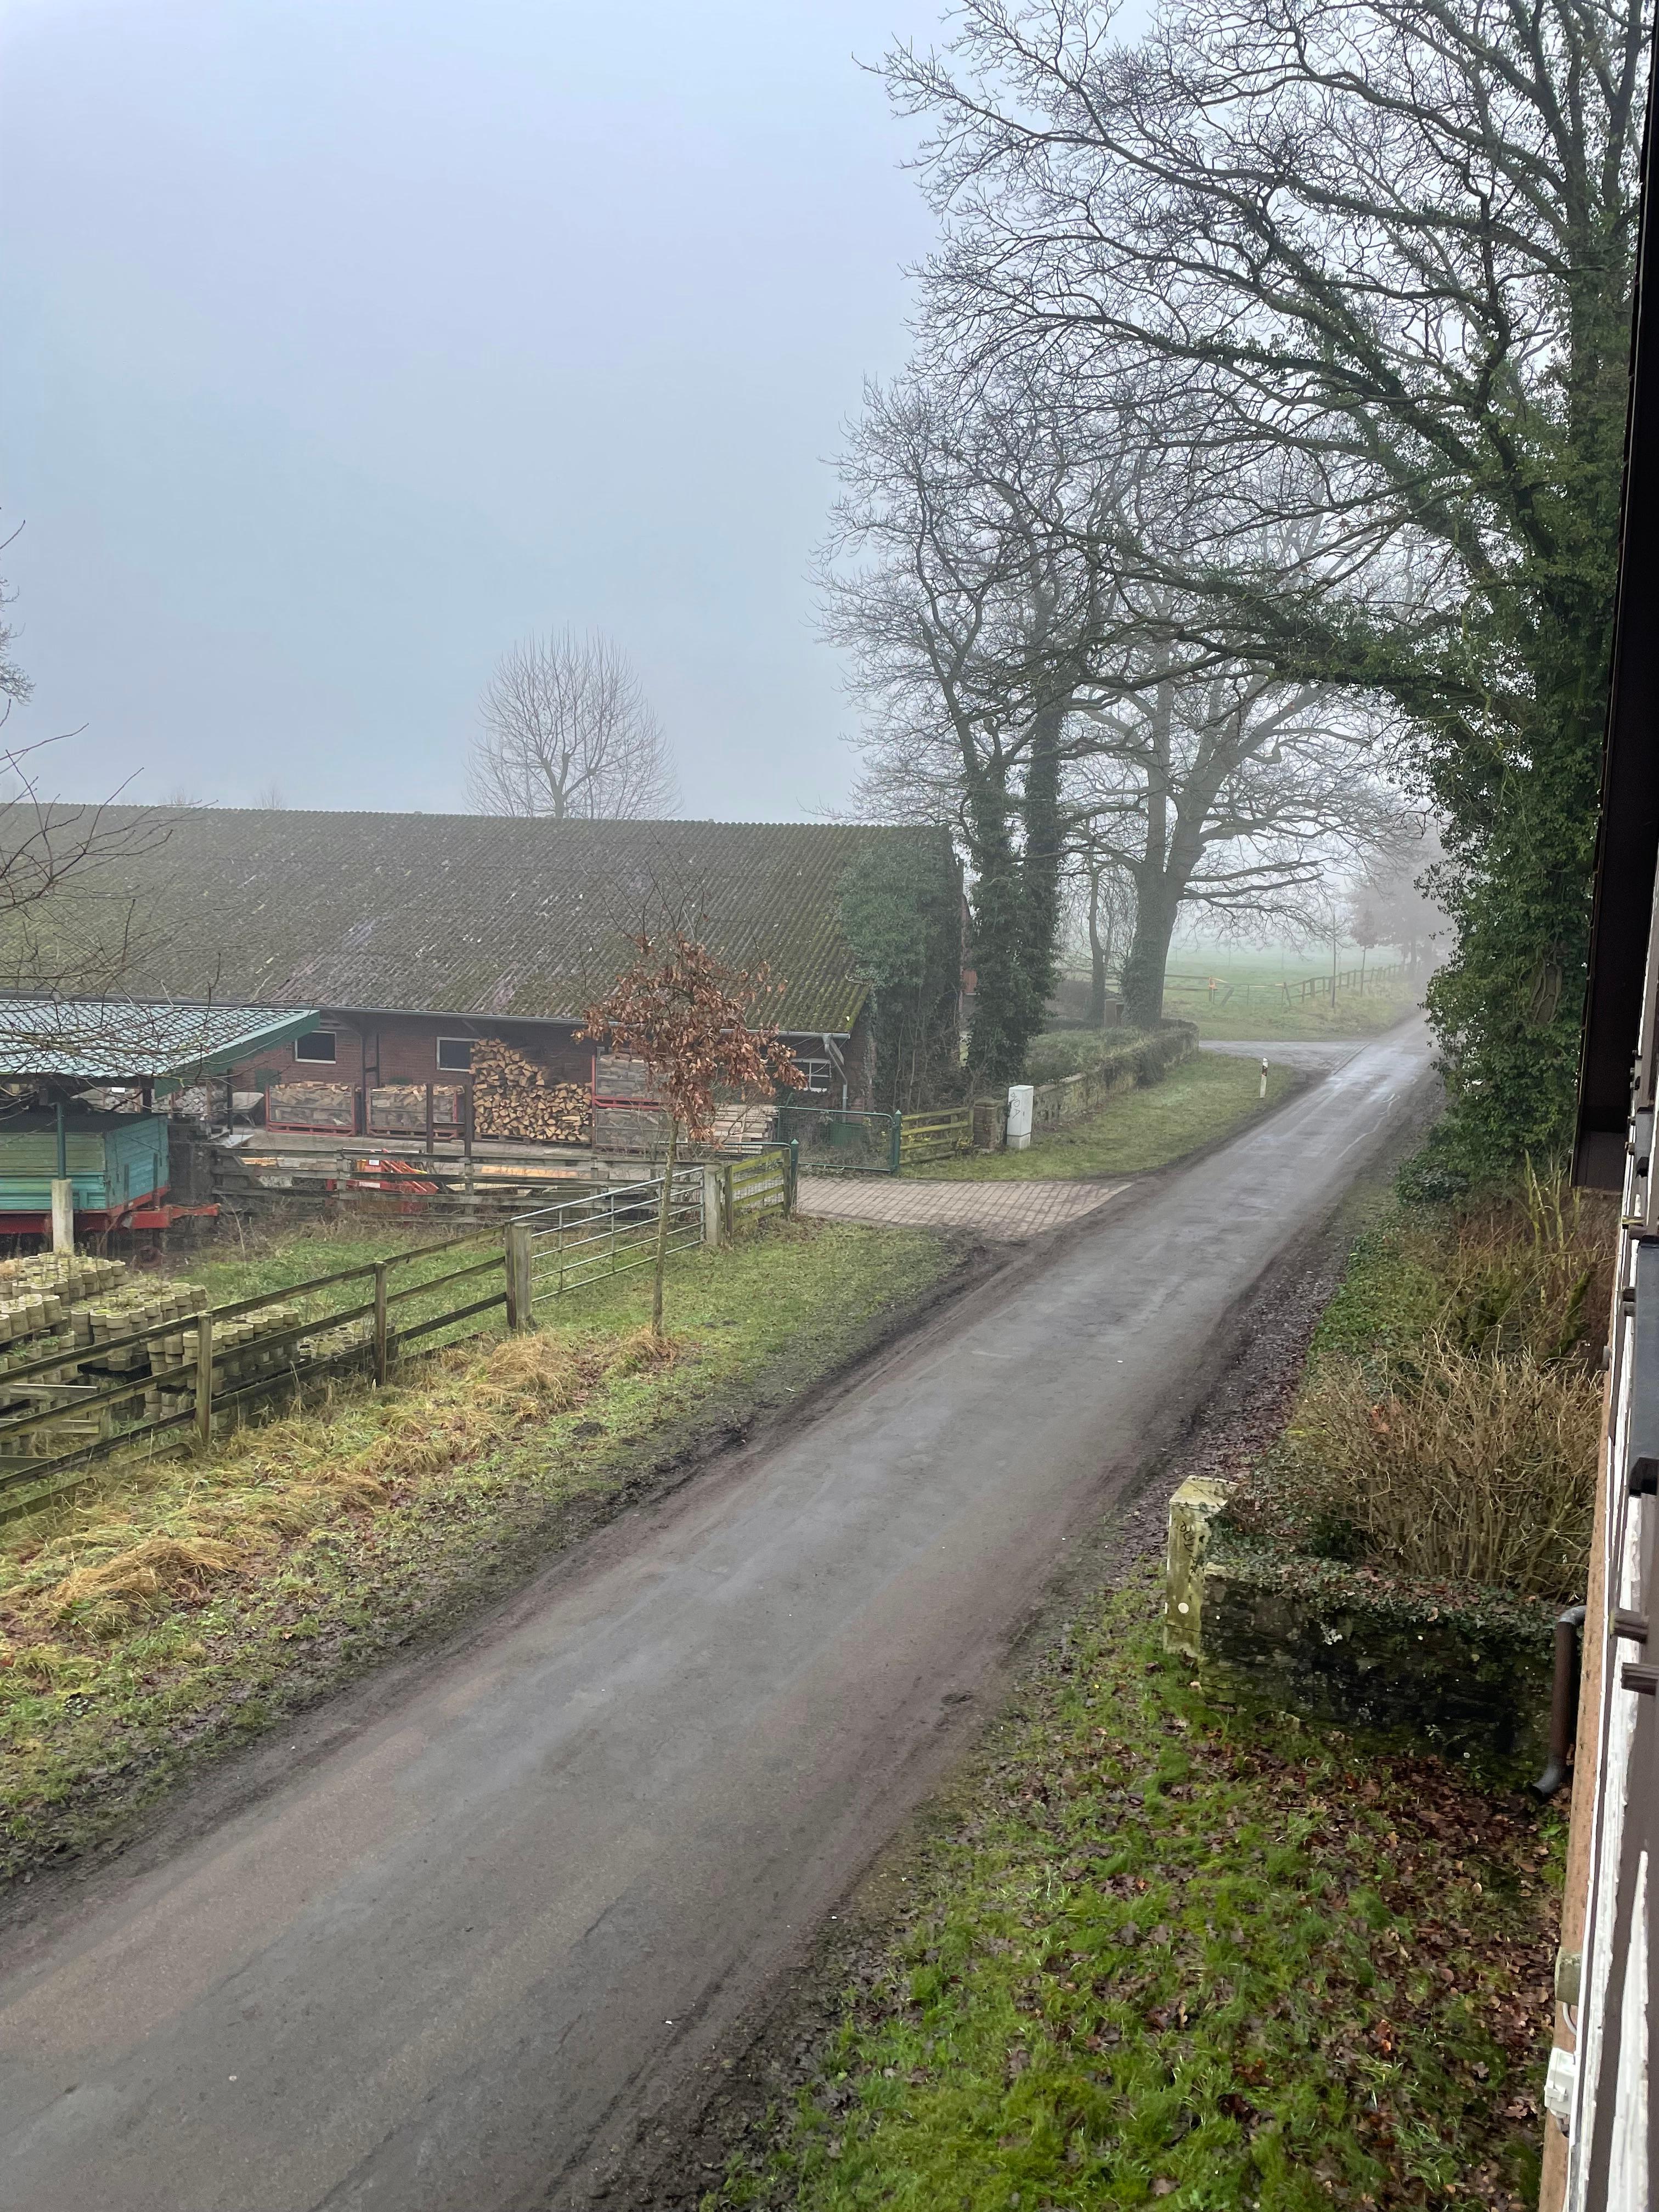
(450, 1957)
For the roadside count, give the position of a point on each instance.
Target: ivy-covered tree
(901, 910)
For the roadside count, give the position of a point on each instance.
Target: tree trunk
(1098, 956)
(1148, 957)
(665, 1201)
(1003, 1025)
(1040, 868)
(1155, 908)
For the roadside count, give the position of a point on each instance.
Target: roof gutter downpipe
(1564, 1702)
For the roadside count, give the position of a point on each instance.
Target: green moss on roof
(482, 914)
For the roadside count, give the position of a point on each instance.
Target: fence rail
(1218, 991)
(764, 1184)
(936, 1136)
(61, 1408)
(840, 1140)
(613, 1232)
(185, 1370)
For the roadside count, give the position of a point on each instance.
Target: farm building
(459, 952)
(111, 1169)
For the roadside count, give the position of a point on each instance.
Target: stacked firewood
(513, 1098)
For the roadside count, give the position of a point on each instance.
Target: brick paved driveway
(1009, 1210)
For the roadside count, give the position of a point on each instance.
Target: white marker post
(1020, 1095)
(1264, 1076)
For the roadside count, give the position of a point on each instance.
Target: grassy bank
(1197, 1103)
(1159, 1951)
(186, 1603)
(1250, 998)
(1447, 1429)
(1310, 1021)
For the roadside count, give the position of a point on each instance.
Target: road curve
(445, 1963)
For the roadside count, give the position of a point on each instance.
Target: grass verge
(1449, 1424)
(1160, 1950)
(1309, 1021)
(1203, 1100)
(187, 1602)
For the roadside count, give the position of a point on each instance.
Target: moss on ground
(1160, 1950)
(183, 1604)
(1199, 1103)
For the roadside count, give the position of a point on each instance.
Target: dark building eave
(1627, 839)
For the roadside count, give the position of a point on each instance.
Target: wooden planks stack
(513, 1098)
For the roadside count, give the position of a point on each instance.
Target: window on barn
(316, 1044)
(818, 1074)
(455, 1052)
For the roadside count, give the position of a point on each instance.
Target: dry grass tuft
(112, 1565)
(1530, 1273)
(1475, 1466)
(540, 1369)
(640, 1353)
(145, 1577)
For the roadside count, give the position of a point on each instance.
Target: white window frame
(442, 1064)
(316, 1060)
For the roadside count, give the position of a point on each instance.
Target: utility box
(112, 1160)
(1020, 1099)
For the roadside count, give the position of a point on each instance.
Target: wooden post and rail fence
(71, 1403)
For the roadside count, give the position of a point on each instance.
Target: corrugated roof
(481, 915)
(125, 1040)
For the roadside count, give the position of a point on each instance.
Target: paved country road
(449, 1955)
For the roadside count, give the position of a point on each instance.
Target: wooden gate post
(379, 1324)
(204, 1377)
(793, 1185)
(518, 1285)
(714, 1209)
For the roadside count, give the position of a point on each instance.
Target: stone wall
(1470, 1670)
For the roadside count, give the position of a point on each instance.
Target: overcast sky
(346, 341)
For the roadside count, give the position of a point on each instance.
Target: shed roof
(481, 915)
(122, 1040)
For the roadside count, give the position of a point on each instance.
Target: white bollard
(1020, 1095)
(1264, 1076)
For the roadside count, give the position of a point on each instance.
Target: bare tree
(1100, 909)
(1032, 672)
(568, 731)
(1235, 793)
(1377, 258)
(973, 574)
(67, 919)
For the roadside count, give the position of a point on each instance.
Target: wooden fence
(184, 1370)
(753, 1189)
(1218, 991)
(172, 1379)
(936, 1136)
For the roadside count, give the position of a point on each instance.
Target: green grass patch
(1202, 1100)
(1161, 1951)
(185, 1603)
(266, 1262)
